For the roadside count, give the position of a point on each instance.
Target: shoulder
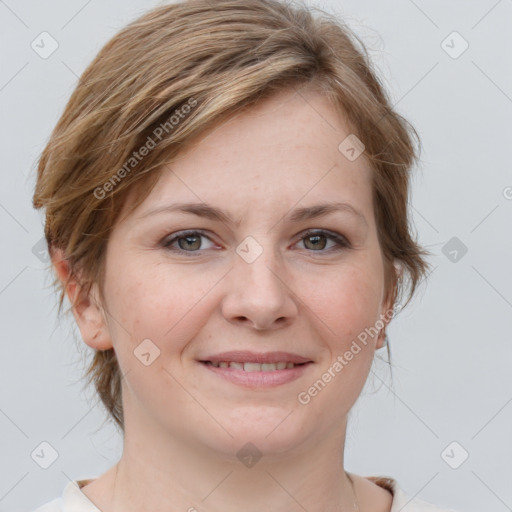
(72, 499)
(401, 501)
(52, 506)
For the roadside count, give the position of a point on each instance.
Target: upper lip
(245, 356)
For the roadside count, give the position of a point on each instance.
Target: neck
(162, 473)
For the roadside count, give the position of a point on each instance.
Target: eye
(186, 241)
(317, 240)
(190, 242)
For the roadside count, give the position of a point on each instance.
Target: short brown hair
(218, 57)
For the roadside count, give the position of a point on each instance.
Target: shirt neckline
(73, 495)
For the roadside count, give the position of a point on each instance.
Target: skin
(185, 424)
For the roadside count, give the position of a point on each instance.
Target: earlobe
(389, 306)
(380, 338)
(384, 320)
(87, 310)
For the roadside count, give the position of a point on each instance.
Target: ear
(388, 310)
(87, 310)
(381, 337)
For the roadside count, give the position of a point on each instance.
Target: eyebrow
(297, 215)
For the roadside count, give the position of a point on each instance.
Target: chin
(267, 431)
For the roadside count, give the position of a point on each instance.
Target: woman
(226, 210)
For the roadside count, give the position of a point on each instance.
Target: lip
(246, 356)
(259, 379)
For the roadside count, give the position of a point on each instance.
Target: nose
(260, 293)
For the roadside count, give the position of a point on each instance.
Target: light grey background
(451, 348)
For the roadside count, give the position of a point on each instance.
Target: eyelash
(340, 241)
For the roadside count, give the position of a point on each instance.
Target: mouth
(257, 375)
(254, 367)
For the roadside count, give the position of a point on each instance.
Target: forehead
(281, 151)
(302, 122)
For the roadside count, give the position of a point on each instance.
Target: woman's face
(249, 279)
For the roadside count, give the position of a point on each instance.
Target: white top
(74, 500)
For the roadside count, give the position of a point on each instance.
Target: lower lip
(259, 379)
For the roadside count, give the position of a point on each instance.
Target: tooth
(252, 367)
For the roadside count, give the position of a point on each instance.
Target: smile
(254, 367)
(256, 375)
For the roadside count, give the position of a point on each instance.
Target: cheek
(157, 302)
(347, 301)
(344, 308)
